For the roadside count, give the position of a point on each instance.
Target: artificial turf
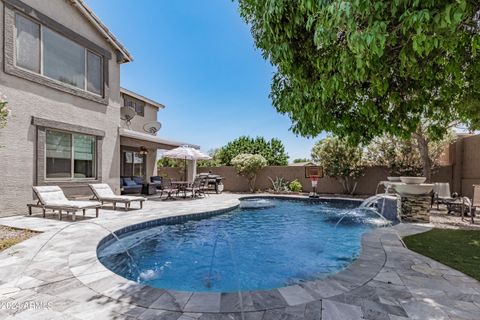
(459, 249)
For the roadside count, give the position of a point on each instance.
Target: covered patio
(139, 153)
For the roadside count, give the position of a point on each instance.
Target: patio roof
(127, 133)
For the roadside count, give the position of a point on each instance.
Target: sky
(198, 58)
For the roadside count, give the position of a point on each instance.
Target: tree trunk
(251, 182)
(422, 145)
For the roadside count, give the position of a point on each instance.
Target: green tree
(340, 160)
(360, 69)
(214, 162)
(402, 156)
(273, 151)
(248, 165)
(170, 162)
(300, 160)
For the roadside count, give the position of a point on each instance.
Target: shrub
(340, 160)
(295, 186)
(279, 184)
(4, 112)
(248, 165)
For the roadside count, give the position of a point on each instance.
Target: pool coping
(84, 264)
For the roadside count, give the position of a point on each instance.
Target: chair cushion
(101, 190)
(138, 180)
(129, 183)
(47, 194)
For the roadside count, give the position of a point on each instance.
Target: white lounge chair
(104, 193)
(52, 197)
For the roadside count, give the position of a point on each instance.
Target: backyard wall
(367, 184)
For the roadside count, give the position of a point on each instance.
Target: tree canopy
(402, 156)
(362, 68)
(273, 151)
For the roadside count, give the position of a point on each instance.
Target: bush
(248, 165)
(4, 112)
(279, 184)
(295, 186)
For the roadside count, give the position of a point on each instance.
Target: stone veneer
(414, 208)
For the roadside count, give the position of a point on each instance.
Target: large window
(70, 155)
(44, 51)
(133, 164)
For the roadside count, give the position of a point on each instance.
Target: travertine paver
(387, 281)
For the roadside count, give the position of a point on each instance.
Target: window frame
(13, 7)
(42, 57)
(72, 157)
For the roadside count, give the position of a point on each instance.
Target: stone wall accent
(413, 208)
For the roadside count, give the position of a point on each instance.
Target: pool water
(265, 247)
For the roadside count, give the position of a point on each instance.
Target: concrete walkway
(66, 281)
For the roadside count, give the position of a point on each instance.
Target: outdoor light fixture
(143, 150)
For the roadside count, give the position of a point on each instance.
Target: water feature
(246, 249)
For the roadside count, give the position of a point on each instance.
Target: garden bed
(12, 236)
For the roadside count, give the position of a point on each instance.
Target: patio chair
(475, 201)
(168, 188)
(104, 193)
(52, 197)
(441, 194)
(195, 187)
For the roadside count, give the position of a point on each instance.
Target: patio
(66, 281)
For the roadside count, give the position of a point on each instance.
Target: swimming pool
(257, 247)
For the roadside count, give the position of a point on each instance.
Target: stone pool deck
(66, 281)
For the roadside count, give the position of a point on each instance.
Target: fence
(461, 168)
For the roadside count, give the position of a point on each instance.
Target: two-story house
(61, 75)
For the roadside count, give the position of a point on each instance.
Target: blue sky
(198, 58)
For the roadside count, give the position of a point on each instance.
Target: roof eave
(123, 55)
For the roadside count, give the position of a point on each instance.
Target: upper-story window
(46, 52)
(137, 105)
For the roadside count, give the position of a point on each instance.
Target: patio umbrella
(186, 153)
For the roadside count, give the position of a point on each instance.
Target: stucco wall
(470, 164)
(137, 123)
(367, 184)
(27, 99)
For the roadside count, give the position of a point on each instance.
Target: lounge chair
(104, 193)
(52, 197)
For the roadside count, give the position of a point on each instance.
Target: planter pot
(413, 180)
(393, 179)
(414, 189)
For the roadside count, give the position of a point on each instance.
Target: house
(61, 74)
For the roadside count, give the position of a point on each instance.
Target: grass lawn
(459, 249)
(12, 236)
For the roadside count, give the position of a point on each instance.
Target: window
(137, 105)
(70, 155)
(133, 164)
(44, 51)
(28, 44)
(63, 60)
